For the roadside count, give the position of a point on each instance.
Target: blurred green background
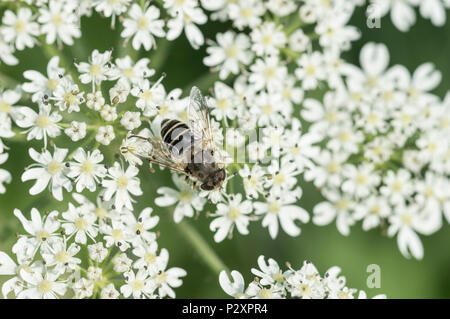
(324, 246)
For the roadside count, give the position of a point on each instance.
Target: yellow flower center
(270, 72)
(20, 26)
(43, 121)
(267, 39)
(161, 277)
(5, 107)
(95, 69)
(233, 213)
(407, 219)
(333, 167)
(232, 52)
(361, 179)
(100, 212)
(265, 294)
(62, 256)
(185, 196)
(129, 73)
(222, 104)
(81, 223)
(143, 23)
(45, 286)
(122, 182)
(274, 207)
(70, 98)
(137, 285)
(117, 234)
(57, 20)
(344, 136)
(87, 167)
(149, 258)
(397, 186)
(343, 295)
(267, 109)
(305, 290)
(342, 204)
(54, 167)
(146, 95)
(375, 209)
(51, 84)
(310, 70)
(279, 179)
(42, 236)
(138, 229)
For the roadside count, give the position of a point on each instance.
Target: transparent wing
(198, 117)
(158, 152)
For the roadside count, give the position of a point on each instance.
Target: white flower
(235, 212)
(97, 252)
(267, 39)
(186, 15)
(40, 125)
(143, 26)
(109, 113)
(164, 280)
(406, 221)
(139, 228)
(43, 232)
(254, 179)
(121, 184)
(95, 100)
(97, 70)
(122, 263)
(279, 209)
(79, 222)
(224, 104)
(133, 72)
(150, 97)
(6, 53)
(231, 50)
(105, 134)
(337, 207)
(41, 85)
(8, 100)
(42, 285)
(49, 170)
(188, 200)
(234, 289)
(109, 292)
(360, 180)
(20, 28)
(112, 8)
(67, 95)
(268, 73)
(311, 70)
(246, 13)
(137, 284)
(131, 120)
(397, 186)
(61, 256)
(76, 131)
(87, 170)
(83, 288)
(59, 22)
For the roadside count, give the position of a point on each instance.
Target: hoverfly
(187, 148)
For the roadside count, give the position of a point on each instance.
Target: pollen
(42, 236)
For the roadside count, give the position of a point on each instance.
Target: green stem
(208, 255)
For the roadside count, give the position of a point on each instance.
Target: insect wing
(198, 116)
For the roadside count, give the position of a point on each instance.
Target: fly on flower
(187, 148)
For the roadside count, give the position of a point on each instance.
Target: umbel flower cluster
(272, 282)
(369, 143)
(88, 251)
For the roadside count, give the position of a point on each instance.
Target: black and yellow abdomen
(177, 134)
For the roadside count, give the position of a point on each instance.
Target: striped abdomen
(177, 134)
